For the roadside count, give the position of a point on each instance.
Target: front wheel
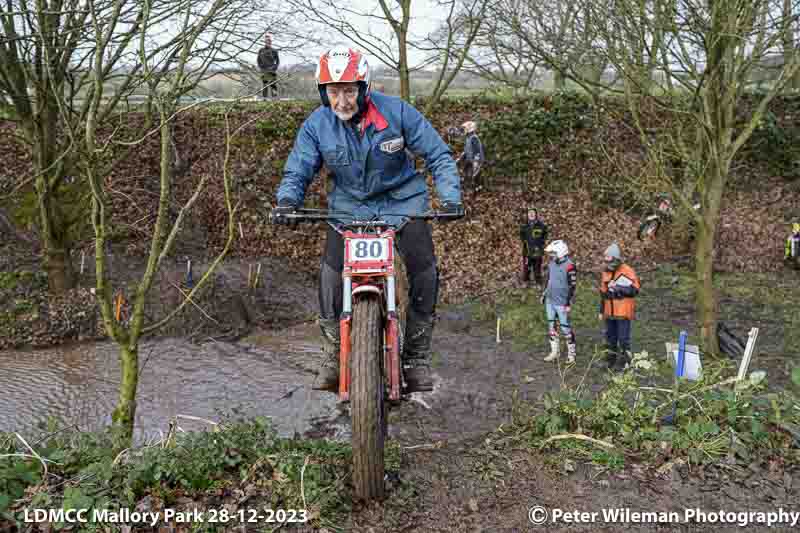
(367, 398)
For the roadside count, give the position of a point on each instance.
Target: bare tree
(451, 44)
(501, 56)
(385, 38)
(169, 63)
(711, 48)
(46, 73)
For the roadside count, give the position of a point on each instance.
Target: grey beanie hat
(613, 251)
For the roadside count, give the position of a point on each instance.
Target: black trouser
(415, 242)
(269, 84)
(533, 264)
(618, 333)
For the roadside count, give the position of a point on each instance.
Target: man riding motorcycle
(363, 138)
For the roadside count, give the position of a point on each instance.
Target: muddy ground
(459, 472)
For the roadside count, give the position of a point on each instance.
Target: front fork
(345, 322)
(391, 338)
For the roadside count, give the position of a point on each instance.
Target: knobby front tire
(367, 398)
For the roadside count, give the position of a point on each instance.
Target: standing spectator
(473, 155)
(533, 235)
(792, 252)
(558, 297)
(619, 285)
(268, 63)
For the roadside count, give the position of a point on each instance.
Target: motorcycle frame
(360, 278)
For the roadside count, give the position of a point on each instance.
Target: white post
(249, 275)
(748, 353)
(241, 233)
(258, 276)
(498, 330)
(83, 258)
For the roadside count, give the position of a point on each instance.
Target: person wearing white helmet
(363, 138)
(473, 155)
(558, 297)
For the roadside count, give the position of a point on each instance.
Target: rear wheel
(367, 398)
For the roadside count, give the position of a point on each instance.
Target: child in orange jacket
(619, 286)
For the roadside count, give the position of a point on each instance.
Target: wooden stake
(258, 276)
(498, 330)
(249, 275)
(83, 259)
(241, 233)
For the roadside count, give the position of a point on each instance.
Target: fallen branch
(37, 456)
(197, 418)
(577, 436)
(191, 301)
(692, 393)
(302, 487)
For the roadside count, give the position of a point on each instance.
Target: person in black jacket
(268, 63)
(533, 235)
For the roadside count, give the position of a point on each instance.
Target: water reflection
(79, 384)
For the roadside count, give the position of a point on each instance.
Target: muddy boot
(554, 349)
(417, 354)
(328, 376)
(570, 353)
(622, 361)
(611, 357)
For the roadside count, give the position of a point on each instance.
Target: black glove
(278, 214)
(613, 294)
(627, 292)
(451, 208)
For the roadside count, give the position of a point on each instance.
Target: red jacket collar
(373, 117)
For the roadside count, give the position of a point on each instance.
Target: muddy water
(271, 374)
(78, 384)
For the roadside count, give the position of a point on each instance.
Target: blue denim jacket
(373, 175)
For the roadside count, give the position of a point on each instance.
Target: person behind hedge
(533, 235)
(268, 63)
(619, 286)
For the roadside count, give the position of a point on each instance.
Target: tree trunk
(125, 412)
(706, 300)
(55, 242)
(60, 273)
(41, 132)
(405, 84)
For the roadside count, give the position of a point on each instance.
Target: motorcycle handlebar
(321, 216)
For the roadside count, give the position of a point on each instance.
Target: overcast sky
(426, 17)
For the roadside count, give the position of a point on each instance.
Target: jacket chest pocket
(336, 157)
(391, 151)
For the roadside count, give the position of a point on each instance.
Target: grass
(626, 409)
(212, 470)
(664, 307)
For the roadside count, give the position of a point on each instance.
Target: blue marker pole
(680, 367)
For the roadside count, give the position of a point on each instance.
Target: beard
(344, 115)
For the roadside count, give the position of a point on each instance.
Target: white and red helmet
(343, 65)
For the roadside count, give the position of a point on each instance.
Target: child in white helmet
(562, 280)
(473, 155)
